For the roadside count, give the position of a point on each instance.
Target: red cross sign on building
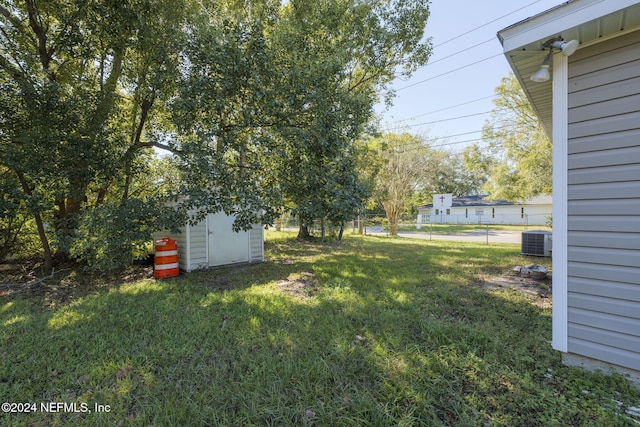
(442, 201)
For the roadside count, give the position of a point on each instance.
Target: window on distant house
(448, 211)
(437, 211)
(521, 212)
(466, 213)
(493, 212)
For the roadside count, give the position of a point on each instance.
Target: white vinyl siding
(192, 244)
(604, 202)
(197, 246)
(517, 214)
(256, 244)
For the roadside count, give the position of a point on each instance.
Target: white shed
(212, 242)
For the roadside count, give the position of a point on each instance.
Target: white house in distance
(480, 210)
(212, 243)
(584, 56)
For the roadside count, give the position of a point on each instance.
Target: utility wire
(442, 109)
(456, 53)
(439, 145)
(448, 72)
(443, 120)
(454, 70)
(419, 144)
(487, 23)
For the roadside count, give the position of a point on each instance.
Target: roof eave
(588, 21)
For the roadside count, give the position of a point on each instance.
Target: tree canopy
(516, 153)
(248, 97)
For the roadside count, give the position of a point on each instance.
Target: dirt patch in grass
(302, 285)
(539, 291)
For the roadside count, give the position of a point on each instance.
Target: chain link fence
(378, 223)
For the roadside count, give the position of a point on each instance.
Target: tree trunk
(341, 231)
(42, 234)
(44, 241)
(323, 230)
(393, 214)
(66, 218)
(303, 232)
(393, 226)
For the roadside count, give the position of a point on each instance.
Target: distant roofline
(481, 200)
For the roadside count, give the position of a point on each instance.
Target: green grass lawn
(371, 331)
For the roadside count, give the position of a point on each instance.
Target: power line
(458, 52)
(418, 145)
(458, 142)
(445, 143)
(443, 120)
(464, 50)
(443, 109)
(487, 23)
(448, 72)
(454, 70)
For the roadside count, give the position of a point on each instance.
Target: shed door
(225, 245)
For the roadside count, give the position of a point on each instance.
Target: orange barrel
(166, 259)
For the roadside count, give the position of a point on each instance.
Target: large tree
(408, 171)
(233, 89)
(407, 166)
(79, 83)
(275, 105)
(516, 153)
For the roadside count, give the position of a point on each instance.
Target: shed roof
(588, 21)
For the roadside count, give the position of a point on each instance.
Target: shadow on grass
(395, 333)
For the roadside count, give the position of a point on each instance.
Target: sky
(451, 97)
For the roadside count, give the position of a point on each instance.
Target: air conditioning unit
(536, 243)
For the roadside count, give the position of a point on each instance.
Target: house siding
(256, 244)
(181, 243)
(603, 235)
(191, 241)
(198, 247)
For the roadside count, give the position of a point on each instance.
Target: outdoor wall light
(542, 75)
(567, 48)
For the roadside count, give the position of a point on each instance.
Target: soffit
(588, 21)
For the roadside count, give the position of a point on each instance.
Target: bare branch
(30, 285)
